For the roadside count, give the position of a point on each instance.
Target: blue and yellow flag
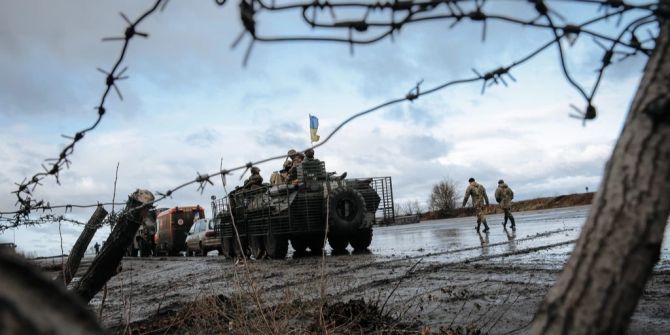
(313, 126)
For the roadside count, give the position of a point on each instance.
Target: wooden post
(31, 303)
(79, 248)
(104, 266)
(620, 243)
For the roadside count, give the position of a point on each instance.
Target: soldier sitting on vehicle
(296, 160)
(255, 180)
(309, 155)
(311, 168)
(281, 177)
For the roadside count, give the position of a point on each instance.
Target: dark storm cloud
(391, 68)
(203, 137)
(51, 51)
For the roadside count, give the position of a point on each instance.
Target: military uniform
(504, 196)
(255, 180)
(296, 160)
(281, 177)
(479, 197)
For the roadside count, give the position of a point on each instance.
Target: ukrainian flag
(313, 126)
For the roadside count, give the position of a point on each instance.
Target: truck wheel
(337, 242)
(299, 244)
(361, 239)
(276, 246)
(257, 246)
(346, 210)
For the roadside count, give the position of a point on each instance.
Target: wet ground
(439, 272)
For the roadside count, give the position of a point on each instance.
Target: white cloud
(188, 103)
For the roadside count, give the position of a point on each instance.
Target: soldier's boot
(511, 218)
(486, 227)
(478, 224)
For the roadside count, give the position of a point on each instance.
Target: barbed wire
(26, 187)
(412, 10)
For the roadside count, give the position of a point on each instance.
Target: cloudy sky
(189, 102)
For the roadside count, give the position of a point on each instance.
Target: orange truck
(173, 225)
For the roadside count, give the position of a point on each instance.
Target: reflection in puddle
(511, 239)
(484, 240)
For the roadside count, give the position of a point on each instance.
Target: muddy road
(439, 273)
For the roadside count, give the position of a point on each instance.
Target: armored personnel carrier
(266, 218)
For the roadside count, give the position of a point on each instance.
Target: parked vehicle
(144, 237)
(173, 226)
(266, 218)
(202, 238)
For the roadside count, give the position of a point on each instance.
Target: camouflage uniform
(296, 160)
(504, 196)
(255, 180)
(281, 177)
(479, 197)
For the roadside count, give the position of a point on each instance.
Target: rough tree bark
(599, 288)
(79, 248)
(30, 303)
(105, 264)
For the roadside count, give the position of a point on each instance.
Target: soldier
(309, 155)
(504, 196)
(281, 176)
(478, 194)
(296, 160)
(255, 180)
(97, 247)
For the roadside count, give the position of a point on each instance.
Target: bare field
(423, 277)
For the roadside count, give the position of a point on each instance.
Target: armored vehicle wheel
(299, 244)
(257, 246)
(337, 242)
(346, 210)
(227, 249)
(315, 243)
(361, 239)
(276, 246)
(244, 248)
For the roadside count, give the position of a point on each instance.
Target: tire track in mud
(338, 270)
(354, 268)
(440, 266)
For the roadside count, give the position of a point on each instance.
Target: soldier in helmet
(504, 196)
(296, 160)
(255, 180)
(281, 176)
(309, 155)
(478, 194)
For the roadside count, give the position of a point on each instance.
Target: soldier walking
(97, 248)
(504, 196)
(478, 194)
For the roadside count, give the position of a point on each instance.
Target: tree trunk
(620, 243)
(79, 248)
(105, 264)
(30, 303)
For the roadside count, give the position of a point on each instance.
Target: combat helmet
(501, 181)
(255, 169)
(291, 153)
